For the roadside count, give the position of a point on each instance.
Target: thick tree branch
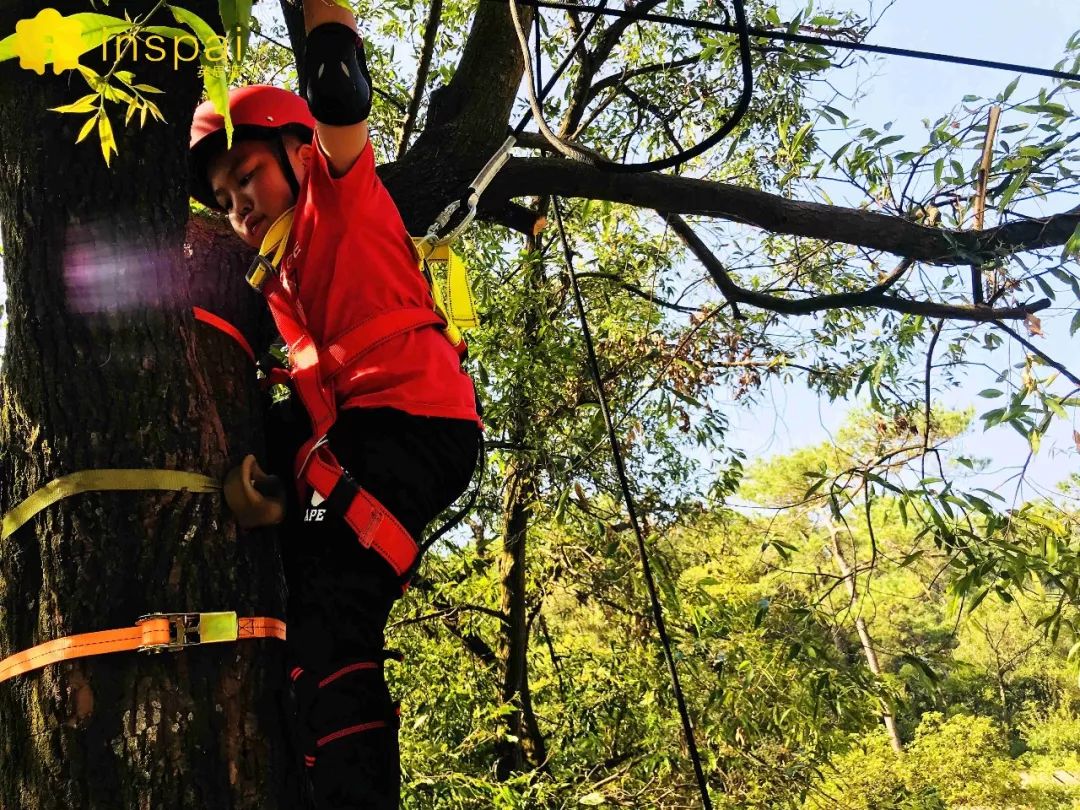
(873, 297)
(541, 176)
(431, 31)
(481, 95)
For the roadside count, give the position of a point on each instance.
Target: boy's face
(248, 183)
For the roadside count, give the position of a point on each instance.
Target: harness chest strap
(374, 526)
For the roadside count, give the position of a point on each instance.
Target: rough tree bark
(105, 368)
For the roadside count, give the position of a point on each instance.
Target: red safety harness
(311, 371)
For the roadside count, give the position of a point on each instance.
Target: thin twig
(1031, 347)
(431, 30)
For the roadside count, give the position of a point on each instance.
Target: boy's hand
(255, 498)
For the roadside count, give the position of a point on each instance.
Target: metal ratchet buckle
(257, 274)
(192, 629)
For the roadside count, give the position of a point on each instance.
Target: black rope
(620, 467)
(542, 94)
(574, 152)
(787, 36)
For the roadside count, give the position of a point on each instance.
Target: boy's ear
(304, 152)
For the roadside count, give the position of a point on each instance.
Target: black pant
(340, 596)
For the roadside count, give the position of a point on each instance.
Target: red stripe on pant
(350, 730)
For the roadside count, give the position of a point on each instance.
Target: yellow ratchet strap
(103, 481)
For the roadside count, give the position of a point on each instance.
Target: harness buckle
(193, 629)
(310, 453)
(257, 274)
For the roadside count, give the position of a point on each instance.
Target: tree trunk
(865, 639)
(106, 368)
(513, 645)
(521, 727)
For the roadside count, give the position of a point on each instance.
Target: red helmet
(258, 111)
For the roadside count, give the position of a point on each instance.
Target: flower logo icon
(48, 37)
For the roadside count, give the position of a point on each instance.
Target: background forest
(877, 620)
(860, 623)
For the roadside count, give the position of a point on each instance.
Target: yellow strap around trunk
(100, 481)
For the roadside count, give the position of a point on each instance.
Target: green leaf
(1075, 324)
(108, 140)
(990, 393)
(87, 127)
(207, 36)
(7, 47)
(593, 799)
(796, 142)
(217, 90)
(976, 600)
(170, 31)
(924, 668)
(1010, 88)
(99, 29)
(1010, 191)
(236, 18)
(85, 104)
(1072, 247)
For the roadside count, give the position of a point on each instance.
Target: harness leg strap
(372, 522)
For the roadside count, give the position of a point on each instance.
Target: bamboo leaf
(87, 103)
(86, 129)
(108, 141)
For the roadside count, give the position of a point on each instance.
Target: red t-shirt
(349, 257)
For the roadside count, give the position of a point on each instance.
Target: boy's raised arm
(337, 85)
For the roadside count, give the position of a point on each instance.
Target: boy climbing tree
(394, 419)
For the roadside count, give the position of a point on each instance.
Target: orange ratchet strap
(155, 632)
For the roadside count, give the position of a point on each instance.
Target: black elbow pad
(337, 85)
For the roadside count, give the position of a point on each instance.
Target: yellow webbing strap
(104, 480)
(457, 307)
(273, 244)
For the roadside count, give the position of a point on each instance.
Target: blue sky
(905, 91)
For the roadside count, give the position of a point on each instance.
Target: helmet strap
(286, 166)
